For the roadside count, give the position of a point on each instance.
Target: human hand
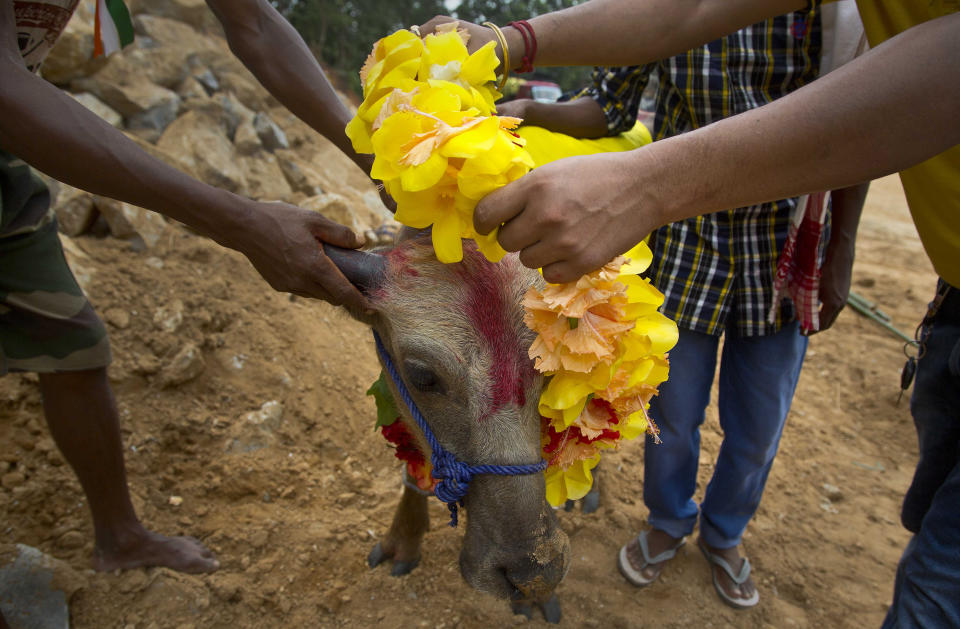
(517, 108)
(479, 35)
(283, 243)
(834, 284)
(571, 216)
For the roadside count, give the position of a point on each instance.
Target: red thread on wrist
(529, 44)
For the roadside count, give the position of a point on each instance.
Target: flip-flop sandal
(738, 579)
(635, 576)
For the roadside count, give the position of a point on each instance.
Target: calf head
(456, 335)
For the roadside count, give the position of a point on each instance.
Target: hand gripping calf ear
(364, 269)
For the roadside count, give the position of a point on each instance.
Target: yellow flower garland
(428, 118)
(603, 344)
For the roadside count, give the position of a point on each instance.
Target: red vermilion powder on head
(485, 303)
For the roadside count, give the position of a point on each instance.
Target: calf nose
(535, 578)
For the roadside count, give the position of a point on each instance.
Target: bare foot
(739, 595)
(146, 549)
(657, 542)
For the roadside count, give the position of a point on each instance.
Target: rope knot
(453, 479)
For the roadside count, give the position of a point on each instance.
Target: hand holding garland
(853, 125)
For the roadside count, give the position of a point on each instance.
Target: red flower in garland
(407, 451)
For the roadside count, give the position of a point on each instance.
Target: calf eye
(422, 378)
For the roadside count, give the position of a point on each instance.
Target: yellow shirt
(933, 186)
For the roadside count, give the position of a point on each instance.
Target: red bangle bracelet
(529, 44)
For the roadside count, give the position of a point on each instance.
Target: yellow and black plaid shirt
(717, 270)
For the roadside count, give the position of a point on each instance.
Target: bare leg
(732, 556)
(402, 541)
(657, 542)
(83, 420)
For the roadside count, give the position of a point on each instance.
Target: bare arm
(580, 118)
(891, 108)
(276, 54)
(627, 32)
(52, 132)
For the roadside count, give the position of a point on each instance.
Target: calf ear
(364, 269)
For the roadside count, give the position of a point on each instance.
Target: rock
(235, 111)
(168, 318)
(12, 479)
(301, 177)
(334, 207)
(166, 31)
(199, 141)
(117, 317)
(164, 66)
(207, 80)
(192, 12)
(79, 262)
(271, 136)
(156, 118)
(371, 198)
(35, 588)
(129, 221)
(72, 55)
(137, 97)
(246, 88)
(226, 110)
(270, 413)
(171, 159)
(264, 178)
(175, 501)
(75, 210)
(191, 92)
(98, 107)
(832, 492)
(246, 139)
(184, 367)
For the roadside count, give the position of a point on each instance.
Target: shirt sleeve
(618, 91)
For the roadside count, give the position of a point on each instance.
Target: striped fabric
(718, 270)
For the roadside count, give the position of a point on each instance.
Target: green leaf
(387, 412)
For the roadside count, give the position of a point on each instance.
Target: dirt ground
(293, 495)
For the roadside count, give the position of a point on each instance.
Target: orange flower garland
(603, 343)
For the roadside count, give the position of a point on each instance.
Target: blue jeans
(927, 588)
(758, 375)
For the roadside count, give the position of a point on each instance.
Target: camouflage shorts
(46, 323)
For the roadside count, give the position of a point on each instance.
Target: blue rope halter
(454, 476)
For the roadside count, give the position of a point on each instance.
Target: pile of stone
(182, 96)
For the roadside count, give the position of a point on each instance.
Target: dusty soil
(292, 501)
